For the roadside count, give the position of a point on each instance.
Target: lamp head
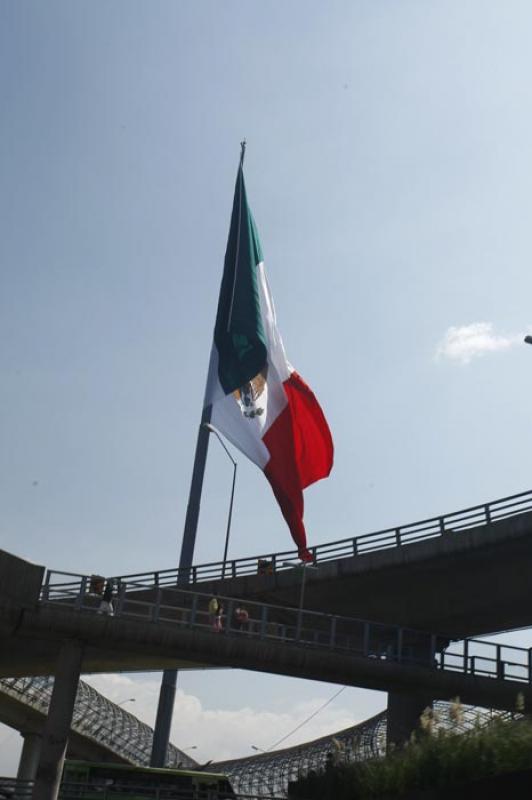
(300, 565)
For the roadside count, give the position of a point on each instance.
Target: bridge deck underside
(128, 643)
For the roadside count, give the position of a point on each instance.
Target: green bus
(88, 781)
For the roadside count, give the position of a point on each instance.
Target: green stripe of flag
(239, 332)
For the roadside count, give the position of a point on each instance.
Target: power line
(314, 713)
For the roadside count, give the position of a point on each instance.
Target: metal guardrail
(388, 538)
(98, 719)
(299, 627)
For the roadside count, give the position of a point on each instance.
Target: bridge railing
(313, 629)
(446, 525)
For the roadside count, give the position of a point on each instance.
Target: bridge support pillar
(404, 711)
(29, 758)
(58, 721)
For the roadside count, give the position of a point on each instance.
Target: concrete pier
(58, 721)
(29, 757)
(404, 712)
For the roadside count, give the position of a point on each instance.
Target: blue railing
(291, 626)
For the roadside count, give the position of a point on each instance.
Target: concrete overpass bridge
(174, 630)
(66, 635)
(398, 575)
(276, 639)
(477, 559)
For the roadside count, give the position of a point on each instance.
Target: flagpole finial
(242, 151)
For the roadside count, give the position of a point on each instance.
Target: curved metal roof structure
(270, 773)
(98, 719)
(266, 774)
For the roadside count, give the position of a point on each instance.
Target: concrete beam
(139, 644)
(20, 580)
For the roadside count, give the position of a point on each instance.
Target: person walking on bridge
(106, 603)
(214, 606)
(219, 621)
(217, 624)
(241, 618)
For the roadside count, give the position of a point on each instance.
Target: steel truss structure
(265, 775)
(98, 719)
(270, 773)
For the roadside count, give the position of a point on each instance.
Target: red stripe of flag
(301, 452)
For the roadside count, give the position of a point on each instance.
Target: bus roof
(134, 768)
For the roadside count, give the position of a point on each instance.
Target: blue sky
(389, 171)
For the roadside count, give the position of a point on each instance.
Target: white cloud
(221, 734)
(465, 342)
(10, 747)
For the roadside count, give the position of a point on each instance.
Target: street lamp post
(304, 567)
(213, 430)
(127, 700)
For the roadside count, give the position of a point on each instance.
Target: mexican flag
(257, 400)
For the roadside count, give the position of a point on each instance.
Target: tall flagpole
(165, 708)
